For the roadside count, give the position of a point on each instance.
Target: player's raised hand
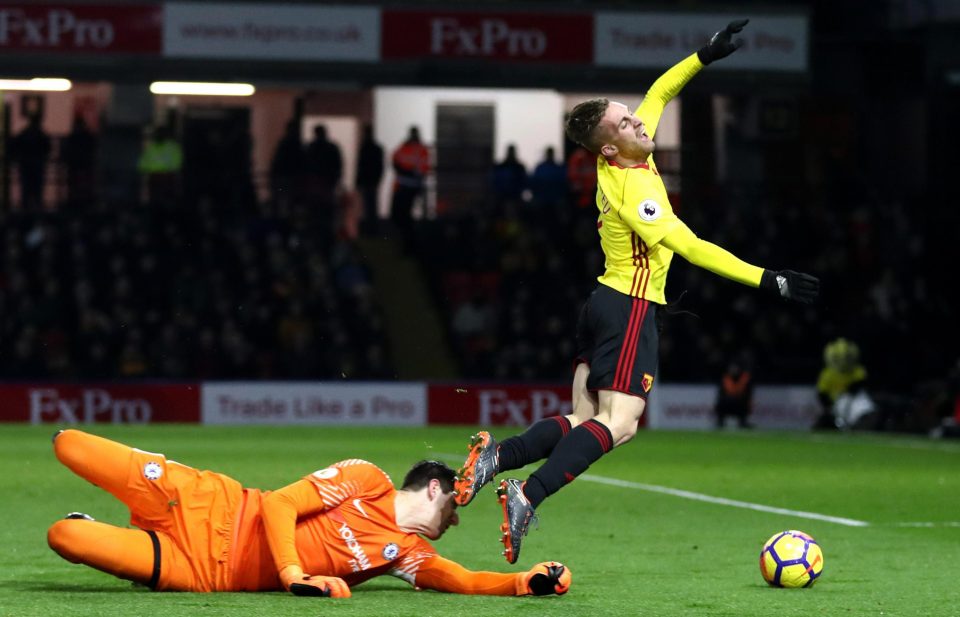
(722, 44)
(790, 285)
(301, 584)
(548, 577)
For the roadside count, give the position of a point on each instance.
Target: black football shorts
(618, 338)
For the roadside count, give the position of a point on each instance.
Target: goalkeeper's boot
(79, 515)
(478, 469)
(517, 516)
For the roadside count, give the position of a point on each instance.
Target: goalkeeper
(320, 536)
(617, 333)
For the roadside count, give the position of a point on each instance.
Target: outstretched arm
(664, 89)
(280, 511)
(448, 576)
(682, 241)
(668, 85)
(788, 284)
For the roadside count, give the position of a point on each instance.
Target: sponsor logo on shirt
(326, 474)
(649, 210)
(360, 560)
(358, 504)
(391, 551)
(152, 471)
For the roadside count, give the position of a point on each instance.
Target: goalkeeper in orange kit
(320, 536)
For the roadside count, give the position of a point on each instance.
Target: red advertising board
(81, 28)
(498, 404)
(514, 37)
(109, 403)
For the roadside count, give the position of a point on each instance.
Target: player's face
(444, 517)
(626, 133)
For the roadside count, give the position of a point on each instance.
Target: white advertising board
(690, 406)
(271, 31)
(660, 40)
(369, 403)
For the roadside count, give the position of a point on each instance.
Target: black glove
(721, 44)
(791, 285)
(547, 578)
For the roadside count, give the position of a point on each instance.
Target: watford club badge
(647, 382)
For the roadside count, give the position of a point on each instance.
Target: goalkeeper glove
(791, 285)
(300, 584)
(721, 44)
(548, 577)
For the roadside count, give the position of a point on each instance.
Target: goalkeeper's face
(444, 512)
(625, 135)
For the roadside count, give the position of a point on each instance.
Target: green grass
(632, 552)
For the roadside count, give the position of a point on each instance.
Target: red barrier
(31, 26)
(504, 37)
(110, 403)
(496, 404)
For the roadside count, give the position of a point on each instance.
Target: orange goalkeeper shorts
(193, 514)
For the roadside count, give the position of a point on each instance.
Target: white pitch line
(929, 524)
(653, 488)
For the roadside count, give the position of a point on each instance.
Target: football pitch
(669, 524)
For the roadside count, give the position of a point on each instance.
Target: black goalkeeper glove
(791, 285)
(547, 578)
(722, 44)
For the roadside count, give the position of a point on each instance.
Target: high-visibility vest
(413, 157)
(161, 157)
(736, 387)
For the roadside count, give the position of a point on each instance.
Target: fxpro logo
(91, 405)
(496, 407)
(492, 37)
(361, 561)
(57, 27)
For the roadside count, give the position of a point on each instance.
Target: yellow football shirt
(635, 213)
(833, 382)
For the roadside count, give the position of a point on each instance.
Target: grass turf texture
(632, 552)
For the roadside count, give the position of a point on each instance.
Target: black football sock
(570, 458)
(535, 443)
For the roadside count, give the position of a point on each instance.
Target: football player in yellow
(617, 336)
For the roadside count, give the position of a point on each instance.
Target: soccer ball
(791, 559)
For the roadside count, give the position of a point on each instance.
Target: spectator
(735, 395)
(161, 163)
(548, 186)
(30, 149)
(841, 387)
(509, 180)
(411, 163)
(582, 178)
(473, 324)
(288, 165)
(79, 156)
(325, 164)
(369, 175)
(324, 170)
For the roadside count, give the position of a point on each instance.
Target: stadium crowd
(279, 288)
(177, 293)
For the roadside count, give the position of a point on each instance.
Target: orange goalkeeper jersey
(340, 521)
